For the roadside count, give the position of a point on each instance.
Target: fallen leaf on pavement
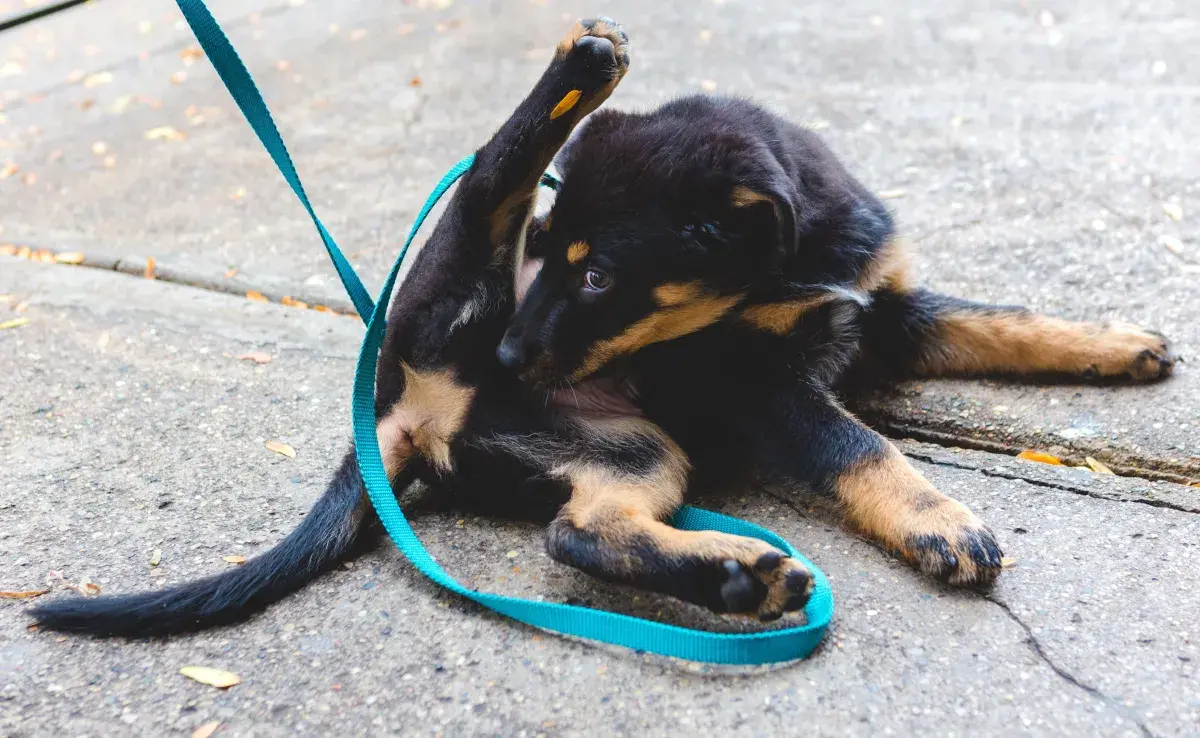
(1007, 562)
(8, 170)
(69, 257)
(156, 557)
(97, 79)
(25, 595)
(895, 194)
(234, 559)
(258, 357)
(210, 676)
(282, 449)
(191, 54)
(231, 273)
(1173, 211)
(292, 302)
(165, 133)
(1039, 457)
(14, 323)
(256, 296)
(148, 273)
(1096, 466)
(206, 730)
(179, 78)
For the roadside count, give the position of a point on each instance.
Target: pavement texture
(1036, 153)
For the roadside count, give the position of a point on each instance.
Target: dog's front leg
(807, 438)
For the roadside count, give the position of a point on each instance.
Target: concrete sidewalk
(131, 426)
(1028, 148)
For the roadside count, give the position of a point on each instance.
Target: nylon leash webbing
(771, 646)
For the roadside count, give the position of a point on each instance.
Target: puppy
(725, 266)
(452, 415)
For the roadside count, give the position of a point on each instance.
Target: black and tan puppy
(720, 266)
(450, 414)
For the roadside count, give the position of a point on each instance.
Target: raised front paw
(765, 586)
(1125, 350)
(588, 36)
(949, 542)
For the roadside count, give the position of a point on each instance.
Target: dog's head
(657, 232)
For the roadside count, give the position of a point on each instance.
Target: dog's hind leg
(623, 489)
(908, 331)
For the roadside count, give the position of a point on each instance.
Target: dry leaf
(1173, 211)
(414, 82)
(25, 595)
(165, 133)
(14, 323)
(281, 448)
(258, 357)
(206, 730)
(292, 302)
(97, 79)
(1007, 562)
(156, 557)
(191, 54)
(179, 78)
(238, 194)
(1096, 466)
(234, 559)
(148, 272)
(1172, 244)
(69, 257)
(230, 274)
(321, 309)
(256, 296)
(1040, 457)
(8, 170)
(210, 676)
(121, 104)
(895, 194)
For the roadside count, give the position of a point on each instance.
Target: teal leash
(764, 647)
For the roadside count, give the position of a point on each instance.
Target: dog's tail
(325, 537)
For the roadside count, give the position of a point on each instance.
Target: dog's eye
(596, 280)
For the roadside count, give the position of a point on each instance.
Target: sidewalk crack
(1036, 647)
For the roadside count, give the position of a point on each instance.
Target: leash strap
(623, 630)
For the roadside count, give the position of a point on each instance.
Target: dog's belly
(606, 397)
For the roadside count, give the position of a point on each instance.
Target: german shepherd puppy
(454, 411)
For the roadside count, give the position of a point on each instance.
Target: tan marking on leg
(569, 100)
(577, 251)
(889, 268)
(781, 317)
(660, 325)
(892, 502)
(677, 293)
(425, 420)
(1013, 342)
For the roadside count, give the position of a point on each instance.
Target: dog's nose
(511, 352)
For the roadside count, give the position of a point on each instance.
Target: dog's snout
(511, 352)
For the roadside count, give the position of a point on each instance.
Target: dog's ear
(772, 196)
